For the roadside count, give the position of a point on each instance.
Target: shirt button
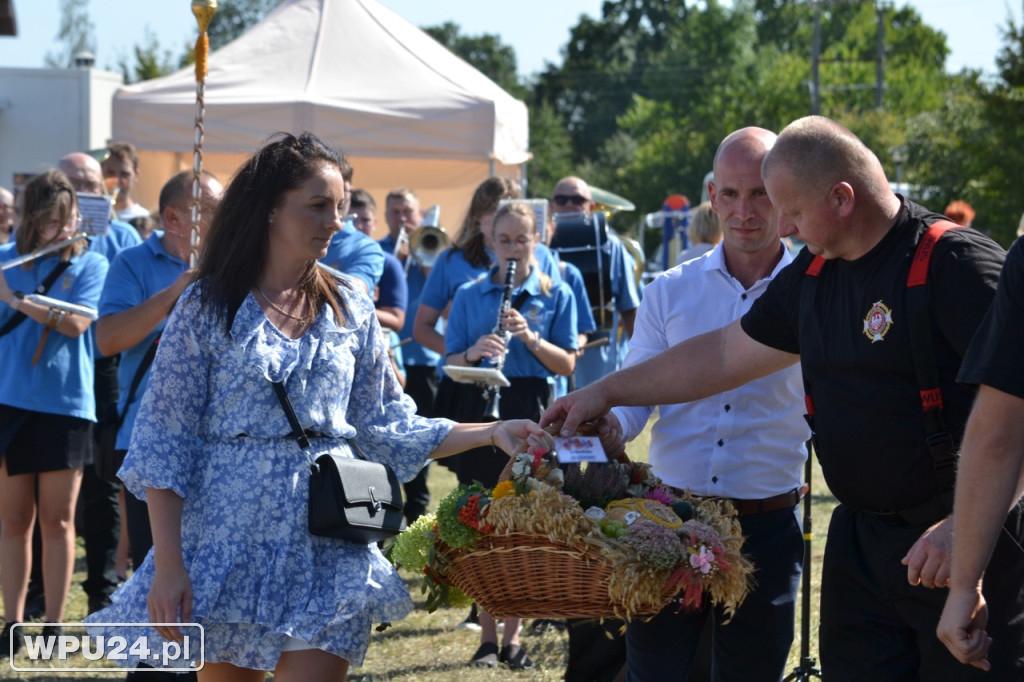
(721, 442)
(728, 407)
(743, 296)
(714, 479)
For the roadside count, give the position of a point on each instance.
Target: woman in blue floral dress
(227, 490)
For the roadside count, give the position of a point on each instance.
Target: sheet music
(96, 211)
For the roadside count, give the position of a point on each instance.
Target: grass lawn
(427, 647)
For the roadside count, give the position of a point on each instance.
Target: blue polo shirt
(414, 354)
(120, 236)
(452, 270)
(62, 381)
(392, 291)
(475, 310)
(573, 276)
(355, 254)
(136, 275)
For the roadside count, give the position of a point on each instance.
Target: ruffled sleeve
(387, 427)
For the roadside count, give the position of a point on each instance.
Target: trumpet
(426, 243)
(493, 394)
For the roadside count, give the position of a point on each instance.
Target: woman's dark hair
(45, 192)
(234, 250)
(485, 200)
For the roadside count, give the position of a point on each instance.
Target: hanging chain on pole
(203, 11)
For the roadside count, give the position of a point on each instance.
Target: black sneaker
(486, 656)
(7, 650)
(472, 622)
(514, 656)
(98, 602)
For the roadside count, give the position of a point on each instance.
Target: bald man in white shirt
(747, 444)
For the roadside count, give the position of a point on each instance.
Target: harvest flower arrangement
(608, 540)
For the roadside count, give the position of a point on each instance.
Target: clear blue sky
(537, 29)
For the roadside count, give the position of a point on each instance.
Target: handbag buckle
(373, 499)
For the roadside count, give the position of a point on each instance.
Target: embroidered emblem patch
(878, 321)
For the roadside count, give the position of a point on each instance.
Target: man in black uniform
(850, 328)
(990, 479)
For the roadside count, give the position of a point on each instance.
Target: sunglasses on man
(574, 199)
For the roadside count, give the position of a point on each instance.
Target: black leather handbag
(350, 498)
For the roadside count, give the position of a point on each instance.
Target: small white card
(580, 449)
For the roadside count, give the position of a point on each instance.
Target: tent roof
(349, 70)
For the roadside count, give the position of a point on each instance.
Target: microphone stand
(806, 669)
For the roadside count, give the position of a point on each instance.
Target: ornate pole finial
(203, 11)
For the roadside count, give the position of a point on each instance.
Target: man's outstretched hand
(568, 412)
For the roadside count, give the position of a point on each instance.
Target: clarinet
(493, 394)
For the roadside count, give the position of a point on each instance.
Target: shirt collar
(155, 244)
(715, 260)
(531, 284)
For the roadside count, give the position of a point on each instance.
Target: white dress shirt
(747, 443)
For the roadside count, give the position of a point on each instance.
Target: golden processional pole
(203, 11)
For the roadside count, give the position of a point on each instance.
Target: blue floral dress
(211, 429)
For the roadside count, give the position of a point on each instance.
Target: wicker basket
(522, 575)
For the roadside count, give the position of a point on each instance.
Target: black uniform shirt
(995, 355)
(855, 353)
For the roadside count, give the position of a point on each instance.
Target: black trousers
(100, 525)
(754, 645)
(421, 386)
(526, 398)
(877, 627)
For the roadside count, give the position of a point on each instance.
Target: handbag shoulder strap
(18, 318)
(298, 433)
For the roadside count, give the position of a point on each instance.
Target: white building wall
(47, 113)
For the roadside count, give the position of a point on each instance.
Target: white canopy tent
(404, 110)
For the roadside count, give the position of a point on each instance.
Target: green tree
(603, 67)
(551, 148)
(151, 60)
(946, 146)
(999, 205)
(76, 34)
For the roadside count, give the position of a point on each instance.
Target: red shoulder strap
(815, 267)
(923, 255)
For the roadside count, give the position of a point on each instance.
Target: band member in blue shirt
(47, 403)
(537, 336)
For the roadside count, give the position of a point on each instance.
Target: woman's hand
(170, 601)
(514, 323)
(487, 346)
(518, 435)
